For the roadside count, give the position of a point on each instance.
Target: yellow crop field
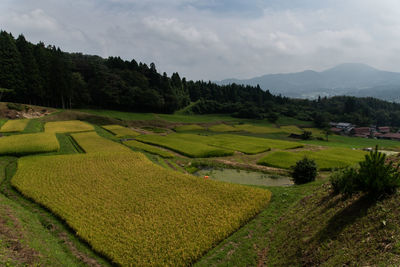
(135, 212)
(149, 148)
(14, 126)
(291, 129)
(222, 128)
(67, 126)
(120, 131)
(91, 142)
(24, 144)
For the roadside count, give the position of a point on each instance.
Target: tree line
(44, 75)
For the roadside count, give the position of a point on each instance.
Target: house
(384, 129)
(336, 130)
(391, 136)
(361, 132)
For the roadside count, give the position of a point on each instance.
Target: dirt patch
(12, 234)
(79, 255)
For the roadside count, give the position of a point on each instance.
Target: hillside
(345, 79)
(327, 230)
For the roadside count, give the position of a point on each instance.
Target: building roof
(336, 130)
(344, 124)
(361, 130)
(391, 135)
(384, 129)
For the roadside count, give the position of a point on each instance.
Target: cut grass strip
(325, 159)
(67, 126)
(14, 126)
(24, 144)
(120, 131)
(148, 148)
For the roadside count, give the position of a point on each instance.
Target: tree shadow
(346, 216)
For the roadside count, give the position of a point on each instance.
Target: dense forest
(45, 75)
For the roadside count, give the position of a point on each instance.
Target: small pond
(245, 177)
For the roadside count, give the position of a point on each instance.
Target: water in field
(245, 177)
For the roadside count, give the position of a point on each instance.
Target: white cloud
(201, 41)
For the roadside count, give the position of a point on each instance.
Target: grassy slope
(242, 248)
(325, 230)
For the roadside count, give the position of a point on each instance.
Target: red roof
(361, 130)
(336, 130)
(391, 135)
(384, 129)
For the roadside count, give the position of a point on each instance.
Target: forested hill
(45, 75)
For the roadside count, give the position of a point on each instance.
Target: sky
(216, 39)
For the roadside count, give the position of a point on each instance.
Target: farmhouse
(361, 132)
(391, 136)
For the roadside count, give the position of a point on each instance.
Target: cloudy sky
(217, 39)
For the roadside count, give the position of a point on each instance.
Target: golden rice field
(23, 144)
(148, 148)
(67, 126)
(135, 212)
(188, 127)
(91, 142)
(120, 131)
(14, 126)
(222, 128)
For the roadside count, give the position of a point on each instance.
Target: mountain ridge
(356, 79)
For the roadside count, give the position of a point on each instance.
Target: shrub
(304, 171)
(377, 176)
(374, 176)
(345, 181)
(306, 135)
(15, 106)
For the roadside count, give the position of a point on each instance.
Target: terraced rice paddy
(148, 148)
(189, 127)
(222, 128)
(67, 126)
(190, 148)
(120, 131)
(245, 144)
(91, 142)
(326, 159)
(23, 144)
(14, 126)
(268, 130)
(135, 212)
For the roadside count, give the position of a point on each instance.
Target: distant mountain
(345, 79)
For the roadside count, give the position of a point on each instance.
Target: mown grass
(120, 131)
(120, 203)
(67, 126)
(190, 148)
(188, 127)
(23, 144)
(148, 148)
(222, 128)
(244, 246)
(91, 142)
(34, 126)
(14, 126)
(326, 159)
(354, 142)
